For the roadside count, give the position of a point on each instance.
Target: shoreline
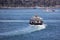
(25, 7)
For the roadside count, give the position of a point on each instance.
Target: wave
(29, 29)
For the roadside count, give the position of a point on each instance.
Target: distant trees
(28, 3)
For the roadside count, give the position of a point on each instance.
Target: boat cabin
(36, 20)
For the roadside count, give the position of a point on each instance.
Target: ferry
(37, 22)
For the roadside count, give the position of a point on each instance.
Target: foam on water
(29, 29)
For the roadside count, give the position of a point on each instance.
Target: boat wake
(29, 29)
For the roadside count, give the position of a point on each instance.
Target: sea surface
(14, 24)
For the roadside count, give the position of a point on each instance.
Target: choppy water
(12, 21)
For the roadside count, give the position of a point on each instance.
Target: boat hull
(39, 27)
(36, 23)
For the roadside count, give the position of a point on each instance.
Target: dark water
(10, 30)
